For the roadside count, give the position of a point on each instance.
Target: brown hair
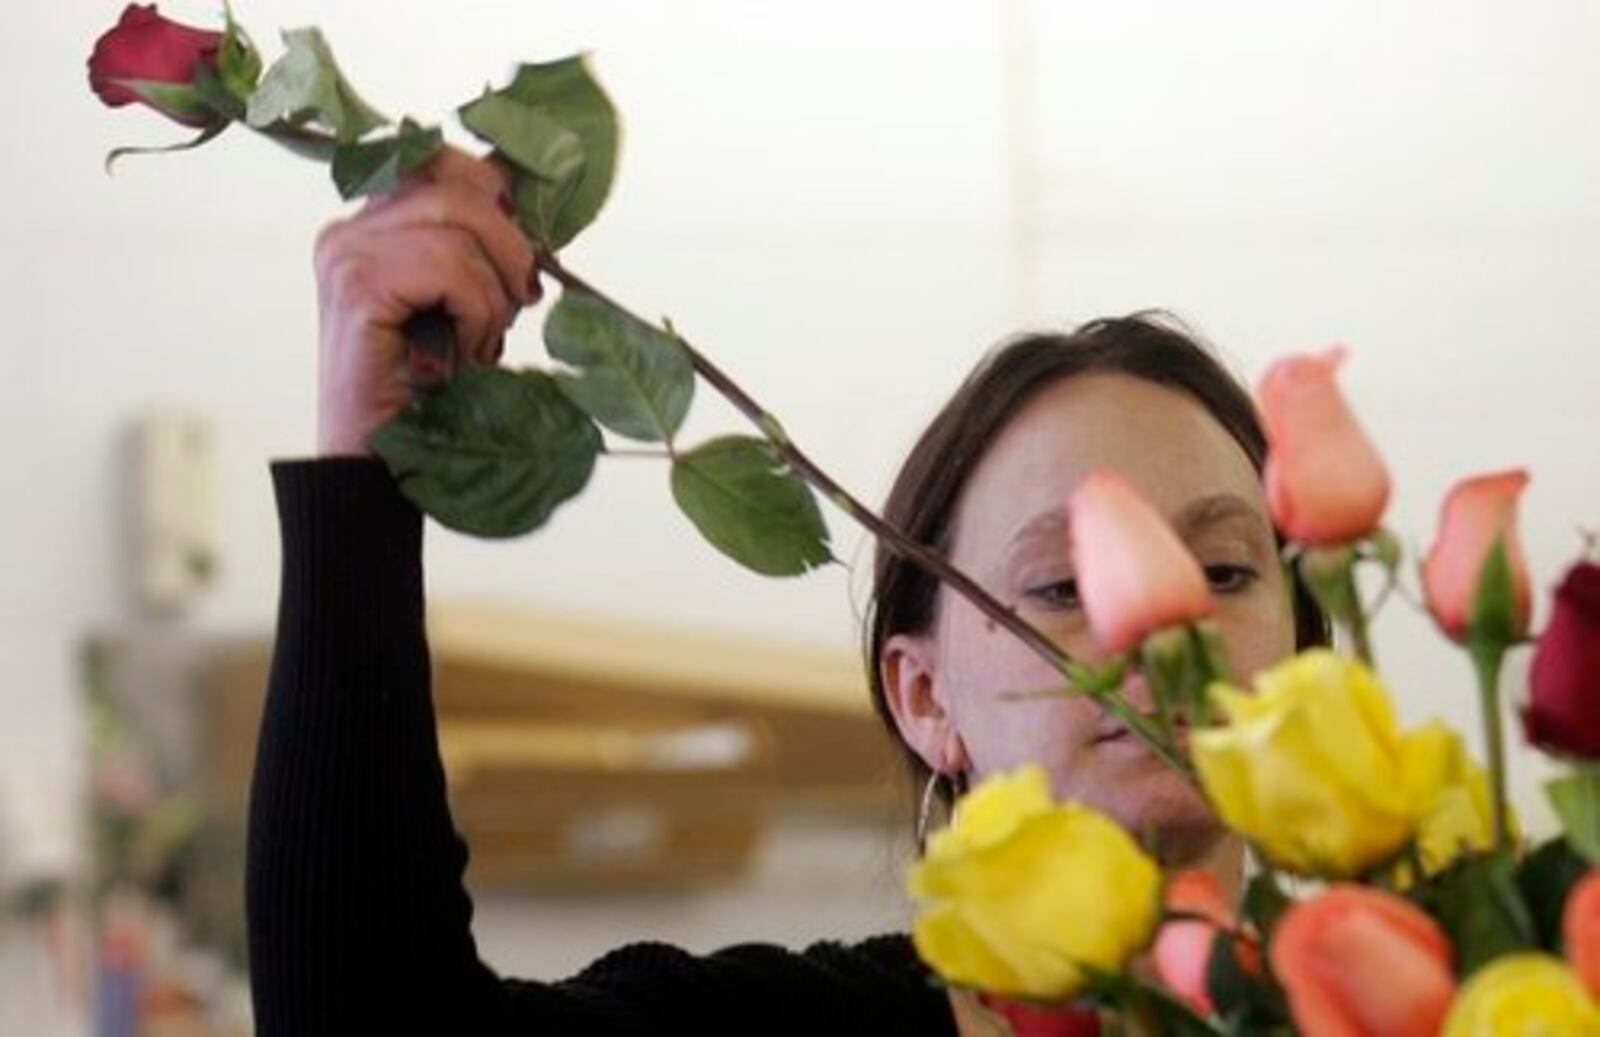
(1151, 345)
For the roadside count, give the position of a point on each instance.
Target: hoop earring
(925, 812)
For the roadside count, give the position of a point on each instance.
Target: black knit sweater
(358, 920)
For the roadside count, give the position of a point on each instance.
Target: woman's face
(1010, 532)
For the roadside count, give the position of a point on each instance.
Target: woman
(358, 919)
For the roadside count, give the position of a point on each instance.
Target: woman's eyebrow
(1203, 512)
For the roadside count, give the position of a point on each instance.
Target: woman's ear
(908, 668)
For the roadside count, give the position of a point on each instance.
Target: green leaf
(737, 492)
(305, 85)
(1264, 903)
(376, 166)
(492, 453)
(634, 379)
(1545, 877)
(1576, 799)
(1479, 905)
(1493, 621)
(533, 141)
(554, 211)
(1250, 1003)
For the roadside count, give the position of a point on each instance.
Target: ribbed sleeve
(358, 919)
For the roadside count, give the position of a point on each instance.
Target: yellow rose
(1019, 892)
(1460, 817)
(1523, 994)
(1314, 770)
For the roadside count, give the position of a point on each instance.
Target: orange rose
(1134, 574)
(1357, 962)
(1476, 512)
(1182, 952)
(1326, 484)
(1580, 930)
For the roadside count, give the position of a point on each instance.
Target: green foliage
(492, 453)
(1264, 903)
(737, 492)
(632, 378)
(376, 166)
(532, 122)
(1247, 1003)
(1545, 877)
(1478, 903)
(1576, 799)
(532, 141)
(305, 86)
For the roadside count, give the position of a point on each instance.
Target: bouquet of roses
(1427, 911)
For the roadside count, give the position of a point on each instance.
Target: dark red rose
(1029, 1020)
(145, 46)
(1563, 711)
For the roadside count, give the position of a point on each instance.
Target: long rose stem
(1137, 723)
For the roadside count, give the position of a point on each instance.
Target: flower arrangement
(1428, 912)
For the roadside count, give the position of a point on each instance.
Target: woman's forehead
(1163, 440)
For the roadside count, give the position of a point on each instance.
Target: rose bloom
(1314, 769)
(1563, 708)
(1019, 892)
(1580, 930)
(1326, 484)
(1476, 512)
(1182, 952)
(145, 47)
(1525, 993)
(1358, 962)
(1134, 574)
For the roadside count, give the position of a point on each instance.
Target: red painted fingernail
(507, 206)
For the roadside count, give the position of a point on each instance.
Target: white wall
(844, 203)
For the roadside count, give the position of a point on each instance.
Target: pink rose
(1182, 952)
(1476, 512)
(146, 47)
(1580, 930)
(1358, 962)
(1326, 484)
(1563, 709)
(1134, 575)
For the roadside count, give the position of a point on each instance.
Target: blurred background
(845, 204)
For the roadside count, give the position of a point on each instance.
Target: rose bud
(1134, 575)
(1358, 962)
(1326, 484)
(1182, 952)
(1563, 708)
(1580, 930)
(1476, 513)
(148, 59)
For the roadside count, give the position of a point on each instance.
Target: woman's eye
(1227, 579)
(1060, 594)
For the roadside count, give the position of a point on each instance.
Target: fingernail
(535, 288)
(507, 206)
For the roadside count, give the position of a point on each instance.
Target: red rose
(1033, 1020)
(146, 47)
(1563, 710)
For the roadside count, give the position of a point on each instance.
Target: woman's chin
(1162, 809)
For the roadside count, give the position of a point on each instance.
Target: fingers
(485, 176)
(458, 205)
(392, 274)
